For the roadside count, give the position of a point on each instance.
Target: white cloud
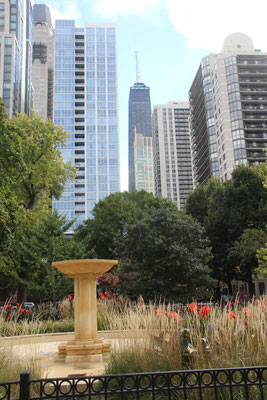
(205, 24)
(111, 8)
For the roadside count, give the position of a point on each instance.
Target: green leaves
(161, 251)
(227, 210)
(32, 171)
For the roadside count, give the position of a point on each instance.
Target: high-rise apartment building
(16, 24)
(139, 121)
(43, 62)
(85, 105)
(143, 162)
(172, 156)
(228, 110)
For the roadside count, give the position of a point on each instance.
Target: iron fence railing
(248, 383)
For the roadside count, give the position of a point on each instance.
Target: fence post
(24, 393)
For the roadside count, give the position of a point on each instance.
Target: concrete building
(43, 62)
(139, 121)
(228, 110)
(85, 104)
(16, 21)
(143, 162)
(172, 156)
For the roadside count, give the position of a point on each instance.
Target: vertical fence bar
(24, 389)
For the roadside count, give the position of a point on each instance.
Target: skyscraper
(228, 110)
(43, 61)
(16, 24)
(85, 104)
(139, 121)
(143, 162)
(172, 156)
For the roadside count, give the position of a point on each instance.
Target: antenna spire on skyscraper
(137, 67)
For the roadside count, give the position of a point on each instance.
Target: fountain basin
(86, 346)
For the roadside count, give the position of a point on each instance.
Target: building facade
(143, 162)
(228, 110)
(172, 155)
(16, 26)
(43, 62)
(139, 121)
(85, 104)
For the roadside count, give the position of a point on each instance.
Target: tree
(243, 254)
(226, 210)
(31, 162)
(31, 172)
(161, 251)
(262, 259)
(47, 244)
(109, 218)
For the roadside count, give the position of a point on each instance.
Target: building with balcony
(172, 156)
(43, 62)
(85, 105)
(228, 110)
(16, 26)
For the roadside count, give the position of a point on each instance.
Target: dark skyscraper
(139, 122)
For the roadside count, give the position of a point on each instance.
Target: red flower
(245, 311)
(9, 316)
(232, 314)
(245, 296)
(69, 297)
(193, 307)
(114, 294)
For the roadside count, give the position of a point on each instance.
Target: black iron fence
(249, 383)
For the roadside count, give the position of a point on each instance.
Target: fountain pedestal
(86, 346)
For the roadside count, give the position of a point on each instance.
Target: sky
(171, 37)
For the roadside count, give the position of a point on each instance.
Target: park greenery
(163, 253)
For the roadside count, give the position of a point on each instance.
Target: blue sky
(171, 38)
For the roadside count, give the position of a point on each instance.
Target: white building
(172, 156)
(143, 163)
(228, 110)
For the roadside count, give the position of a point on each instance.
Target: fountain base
(82, 350)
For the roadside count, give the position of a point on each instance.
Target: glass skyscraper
(16, 25)
(139, 122)
(85, 105)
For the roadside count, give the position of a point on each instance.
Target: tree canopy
(161, 251)
(32, 171)
(227, 210)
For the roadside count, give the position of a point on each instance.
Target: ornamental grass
(164, 337)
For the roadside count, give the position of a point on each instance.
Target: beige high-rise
(228, 110)
(172, 157)
(43, 62)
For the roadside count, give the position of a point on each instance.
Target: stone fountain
(86, 346)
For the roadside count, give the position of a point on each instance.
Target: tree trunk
(230, 289)
(22, 293)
